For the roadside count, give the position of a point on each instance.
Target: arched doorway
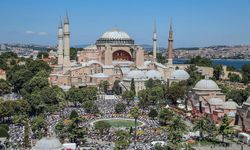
(121, 55)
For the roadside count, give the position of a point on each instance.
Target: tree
(76, 95)
(38, 124)
(160, 58)
(120, 107)
(3, 132)
(90, 93)
(132, 86)
(234, 77)
(128, 96)
(73, 131)
(90, 107)
(150, 83)
(245, 69)
(165, 116)
(73, 53)
(153, 113)
(122, 141)
(231, 68)
(36, 83)
(175, 132)
(117, 88)
(205, 126)
(218, 71)
(41, 55)
(176, 91)
(73, 115)
(104, 86)
(5, 87)
(18, 76)
(200, 61)
(143, 98)
(200, 125)
(102, 126)
(238, 95)
(225, 128)
(8, 60)
(37, 65)
(135, 113)
(36, 102)
(5, 126)
(195, 76)
(155, 94)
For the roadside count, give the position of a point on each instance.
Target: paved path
(233, 147)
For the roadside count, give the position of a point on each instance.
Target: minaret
(66, 36)
(60, 43)
(170, 45)
(154, 43)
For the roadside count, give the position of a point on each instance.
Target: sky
(195, 22)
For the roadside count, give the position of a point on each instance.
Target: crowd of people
(107, 109)
(16, 134)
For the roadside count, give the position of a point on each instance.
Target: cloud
(42, 33)
(29, 32)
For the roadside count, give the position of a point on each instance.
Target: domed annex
(153, 74)
(48, 143)
(180, 75)
(115, 37)
(216, 101)
(247, 101)
(230, 104)
(136, 74)
(206, 85)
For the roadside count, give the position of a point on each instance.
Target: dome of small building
(216, 101)
(136, 74)
(248, 100)
(206, 84)
(91, 47)
(115, 36)
(230, 104)
(179, 75)
(153, 74)
(48, 143)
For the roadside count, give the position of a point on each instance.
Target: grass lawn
(118, 123)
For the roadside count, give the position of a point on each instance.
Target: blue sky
(195, 22)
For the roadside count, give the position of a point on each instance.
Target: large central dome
(115, 37)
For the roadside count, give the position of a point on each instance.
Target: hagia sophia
(115, 56)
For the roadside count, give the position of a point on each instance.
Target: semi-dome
(136, 74)
(48, 143)
(153, 74)
(216, 101)
(230, 104)
(180, 75)
(115, 36)
(206, 84)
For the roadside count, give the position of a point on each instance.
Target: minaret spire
(60, 43)
(66, 21)
(170, 44)
(66, 38)
(155, 42)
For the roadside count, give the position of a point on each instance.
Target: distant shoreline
(215, 59)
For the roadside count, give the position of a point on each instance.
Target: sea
(236, 63)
